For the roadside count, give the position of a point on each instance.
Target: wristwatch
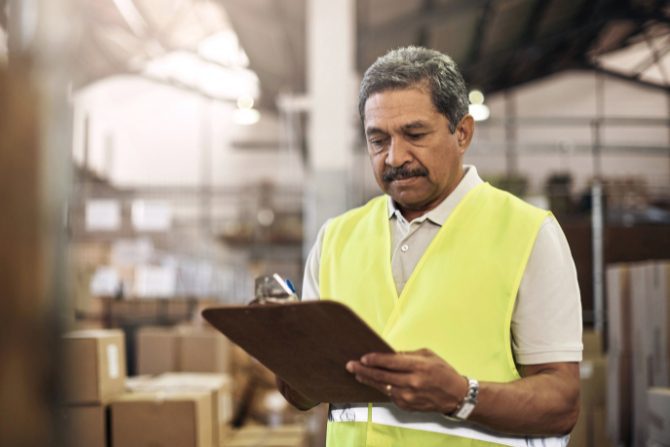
(463, 411)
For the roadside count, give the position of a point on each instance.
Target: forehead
(399, 106)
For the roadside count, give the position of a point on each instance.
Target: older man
(474, 288)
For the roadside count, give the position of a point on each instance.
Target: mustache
(402, 172)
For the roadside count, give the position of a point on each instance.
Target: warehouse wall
(185, 139)
(136, 133)
(640, 150)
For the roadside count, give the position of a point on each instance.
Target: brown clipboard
(307, 344)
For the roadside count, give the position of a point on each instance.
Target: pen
(285, 284)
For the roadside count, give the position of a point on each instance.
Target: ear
(464, 132)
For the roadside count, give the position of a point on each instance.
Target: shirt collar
(441, 212)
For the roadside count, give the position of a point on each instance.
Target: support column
(332, 121)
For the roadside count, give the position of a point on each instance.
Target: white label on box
(113, 361)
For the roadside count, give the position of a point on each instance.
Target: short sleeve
(310, 281)
(547, 319)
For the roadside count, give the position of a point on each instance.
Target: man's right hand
(295, 398)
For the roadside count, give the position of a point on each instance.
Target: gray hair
(409, 66)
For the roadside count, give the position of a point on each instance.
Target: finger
(396, 362)
(381, 387)
(379, 375)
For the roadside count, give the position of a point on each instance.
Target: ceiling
(499, 44)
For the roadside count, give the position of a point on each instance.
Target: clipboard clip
(273, 289)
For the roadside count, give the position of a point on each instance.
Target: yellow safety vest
(458, 302)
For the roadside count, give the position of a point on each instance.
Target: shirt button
(404, 248)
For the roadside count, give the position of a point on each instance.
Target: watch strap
(464, 410)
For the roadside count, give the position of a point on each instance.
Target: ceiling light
(480, 112)
(476, 97)
(245, 102)
(246, 117)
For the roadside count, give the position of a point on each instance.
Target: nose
(398, 153)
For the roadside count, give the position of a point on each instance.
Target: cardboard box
(85, 425)
(156, 350)
(218, 385)
(659, 336)
(283, 436)
(165, 419)
(659, 415)
(619, 397)
(619, 309)
(641, 282)
(203, 350)
(95, 365)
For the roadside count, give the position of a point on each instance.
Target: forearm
(295, 398)
(544, 403)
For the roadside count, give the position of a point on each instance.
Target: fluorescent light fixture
(246, 117)
(224, 48)
(212, 79)
(480, 112)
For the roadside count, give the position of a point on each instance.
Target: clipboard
(307, 344)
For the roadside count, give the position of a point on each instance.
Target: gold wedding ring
(388, 389)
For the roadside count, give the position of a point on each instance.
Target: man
(474, 288)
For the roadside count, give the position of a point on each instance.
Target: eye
(377, 143)
(416, 136)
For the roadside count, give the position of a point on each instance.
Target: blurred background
(158, 155)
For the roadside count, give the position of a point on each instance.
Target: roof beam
(419, 19)
(482, 27)
(651, 60)
(625, 77)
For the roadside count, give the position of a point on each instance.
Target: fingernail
(364, 360)
(350, 366)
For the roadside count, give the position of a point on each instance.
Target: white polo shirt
(547, 318)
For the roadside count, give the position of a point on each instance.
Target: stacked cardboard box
(218, 386)
(659, 339)
(260, 436)
(182, 349)
(639, 345)
(95, 371)
(162, 418)
(590, 428)
(156, 350)
(641, 275)
(659, 417)
(619, 354)
(203, 349)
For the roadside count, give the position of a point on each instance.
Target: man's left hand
(415, 380)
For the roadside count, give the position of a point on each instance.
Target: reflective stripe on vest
(458, 301)
(433, 422)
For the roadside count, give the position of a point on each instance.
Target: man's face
(415, 157)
